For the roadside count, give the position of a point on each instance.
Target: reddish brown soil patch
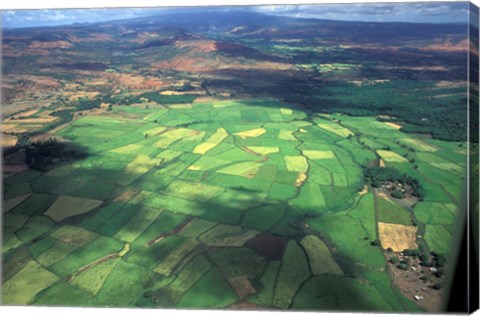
(137, 82)
(50, 44)
(172, 232)
(23, 87)
(190, 62)
(448, 46)
(94, 37)
(198, 46)
(92, 264)
(269, 246)
(251, 152)
(242, 286)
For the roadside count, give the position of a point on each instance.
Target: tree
(438, 260)
(439, 273)
(411, 252)
(437, 286)
(394, 260)
(398, 194)
(403, 266)
(375, 243)
(425, 260)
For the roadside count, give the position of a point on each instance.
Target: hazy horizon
(426, 12)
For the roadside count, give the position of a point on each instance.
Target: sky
(427, 12)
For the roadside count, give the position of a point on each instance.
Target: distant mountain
(241, 23)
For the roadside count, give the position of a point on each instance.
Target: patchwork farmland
(247, 203)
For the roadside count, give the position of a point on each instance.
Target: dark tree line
(376, 176)
(44, 155)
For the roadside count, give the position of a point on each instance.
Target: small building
(418, 297)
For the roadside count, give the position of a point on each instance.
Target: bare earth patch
(7, 140)
(84, 94)
(398, 237)
(364, 190)
(242, 286)
(381, 163)
(394, 125)
(50, 44)
(410, 284)
(268, 246)
(302, 176)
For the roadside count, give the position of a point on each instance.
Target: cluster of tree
(427, 259)
(189, 123)
(108, 98)
(87, 104)
(43, 155)
(401, 264)
(411, 102)
(376, 243)
(376, 176)
(168, 99)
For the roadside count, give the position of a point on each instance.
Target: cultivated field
(203, 206)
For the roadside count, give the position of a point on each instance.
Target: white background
(46, 4)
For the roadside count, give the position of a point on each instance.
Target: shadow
(236, 50)
(45, 155)
(244, 189)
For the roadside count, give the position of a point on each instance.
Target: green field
(261, 204)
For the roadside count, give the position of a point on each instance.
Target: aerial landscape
(254, 158)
